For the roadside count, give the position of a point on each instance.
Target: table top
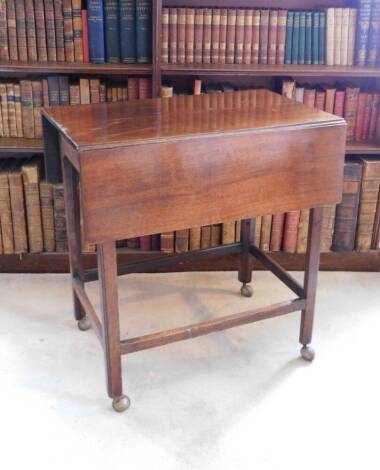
(108, 125)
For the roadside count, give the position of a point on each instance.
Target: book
(21, 31)
(338, 12)
(328, 220)
(30, 23)
(362, 100)
(330, 36)
(223, 35)
(295, 37)
(96, 31)
(47, 215)
(231, 35)
(86, 50)
(173, 19)
(277, 231)
(189, 38)
(5, 211)
(322, 38)
(281, 36)
(127, 28)
(167, 242)
(265, 233)
(182, 241)
(59, 30)
(17, 96)
(16, 193)
(374, 35)
(4, 109)
(216, 235)
(198, 36)
(303, 228)
(164, 35)
(228, 232)
(340, 96)
(315, 33)
(289, 37)
(60, 231)
(111, 31)
(330, 99)
(239, 42)
(207, 35)
(247, 42)
(272, 36)
(257, 230)
(37, 104)
(78, 29)
(68, 33)
(344, 36)
(12, 29)
(362, 31)
(11, 110)
(205, 236)
(376, 231)
(144, 31)
(195, 238)
(302, 38)
(4, 50)
(27, 108)
(53, 90)
(264, 33)
(255, 36)
(39, 16)
(290, 231)
(350, 110)
(351, 36)
(50, 31)
(31, 178)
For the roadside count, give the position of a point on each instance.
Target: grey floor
(240, 399)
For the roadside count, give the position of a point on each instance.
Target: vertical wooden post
(246, 261)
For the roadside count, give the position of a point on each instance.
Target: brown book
(328, 221)
(264, 31)
(291, 231)
(68, 33)
(60, 232)
(368, 202)
(182, 241)
(281, 36)
(17, 94)
(272, 37)
(39, 16)
(27, 108)
(374, 117)
(216, 235)
(207, 31)
(165, 35)
(31, 31)
(50, 31)
(351, 36)
(37, 104)
(94, 91)
(47, 214)
(190, 18)
(228, 233)
(167, 242)
(320, 99)
(4, 49)
(247, 48)
(16, 193)
(45, 92)
(11, 110)
(74, 93)
(367, 118)
(59, 30)
(4, 109)
(215, 35)
(173, 37)
(350, 109)
(303, 226)
(337, 35)
(266, 226)
(195, 238)
(239, 36)
(362, 99)
(256, 36)
(346, 214)
(223, 35)
(257, 232)
(133, 89)
(181, 35)
(330, 99)
(339, 102)
(103, 92)
(309, 97)
(77, 30)
(237, 231)
(231, 36)
(277, 231)
(21, 31)
(206, 236)
(31, 180)
(12, 30)
(5, 211)
(84, 85)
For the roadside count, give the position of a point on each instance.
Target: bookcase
(183, 74)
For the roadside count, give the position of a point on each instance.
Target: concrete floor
(240, 399)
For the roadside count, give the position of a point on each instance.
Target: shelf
(73, 68)
(358, 148)
(270, 70)
(20, 145)
(59, 262)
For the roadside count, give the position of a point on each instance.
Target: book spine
(351, 36)
(328, 219)
(4, 109)
(94, 91)
(6, 215)
(231, 35)
(144, 31)
(309, 38)
(374, 35)
(322, 38)
(4, 49)
(47, 215)
(78, 29)
(11, 110)
(207, 32)
(74, 93)
(21, 31)
(344, 36)
(374, 117)
(173, 19)
(60, 233)
(127, 15)
(228, 233)
(320, 99)
(277, 231)
(12, 29)
(195, 238)
(216, 235)
(367, 118)
(315, 49)
(165, 35)
(215, 34)
(190, 18)
(266, 226)
(272, 36)
(264, 32)
(362, 32)
(84, 86)
(27, 108)
(340, 97)
(86, 50)
(295, 37)
(31, 31)
(59, 30)
(289, 37)
(302, 39)
(257, 231)
(338, 13)
(281, 37)
(167, 242)
(68, 33)
(362, 99)
(53, 87)
(223, 35)
(17, 92)
(238, 231)
(291, 231)
(37, 104)
(206, 236)
(111, 31)
(239, 41)
(303, 227)
(247, 48)
(39, 14)
(16, 192)
(330, 38)
(350, 109)
(146, 243)
(330, 99)
(182, 241)
(96, 31)
(63, 84)
(50, 31)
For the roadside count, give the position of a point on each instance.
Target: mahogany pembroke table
(159, 165)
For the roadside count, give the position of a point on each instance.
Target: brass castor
(307, 353)
(246, 290)
(121, 403)
(84, 324)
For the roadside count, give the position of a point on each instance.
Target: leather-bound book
(322, 38)
(374, 117)
(5, 211)
(330, 35)
(206, 236)
(133, 89)
(344, 36)
(182, 241)
(50, 31)
(302, 39)
(16, 192)
(328, 220)
(68, 33)
(37, 104)
(12, 30)
(207, 32)
(74, 93)
(257, 232)
(86, 49)
(133, 243)
(330, 99)
(340, 96)
(352, 21)
(350, 109)
(173, 35)
(11, 110)
(216, 235)
(21, 31)
(223, 35)
(277, 231)
(296, 37)
(346, 215)
(289, 37)
(96, 31)
(266, 226)
(189, 39)
(247, 47)
(64, 99)
(239, 40)
(31, 179)
(31, 31)
(281, 36)
(103, 92)
(94, 90)
(60, 231)
(84, 85)
(303, 226)
(39, 15)
(59, 30)
(53, 88)
(4, 49)
(255, 36)
(362, 31)
(264, 31)
(4, 109)
(127, 14)
(111, 30)
(315, 32)
(320, 99)
(337, 35)
(17, 94)
(238, 231)
(231, 36)
(228, 233)
(146, 243)
(215, 34)
(167, 242)
(367, 118)
(195, 238)
(291, 231)
(368, 202)
(78, 29)
(165, 35)
(309, 97)
(47, 215)
(27, 108)
(144, 31)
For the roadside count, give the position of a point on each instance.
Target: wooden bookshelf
(16, 145)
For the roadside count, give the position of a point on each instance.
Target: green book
(289, 36)
(302, 38)
(308, 38)
(315, 56)
(322, 36)
(296, 37)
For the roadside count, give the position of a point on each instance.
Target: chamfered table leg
(310, 281)
(70, 180)
(107, 266)
(245, 268)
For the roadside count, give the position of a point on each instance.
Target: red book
(360, 116)
(86, 53)
(291, 231)
(145, 88)
(146, 243)
(367, 118)
(340, 96)
(133, 89)
(374, 116)
(277, 231)
(320, 99)
(309, 97)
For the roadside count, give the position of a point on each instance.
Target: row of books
(21, 102)
(359, 108)
(61, 31)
